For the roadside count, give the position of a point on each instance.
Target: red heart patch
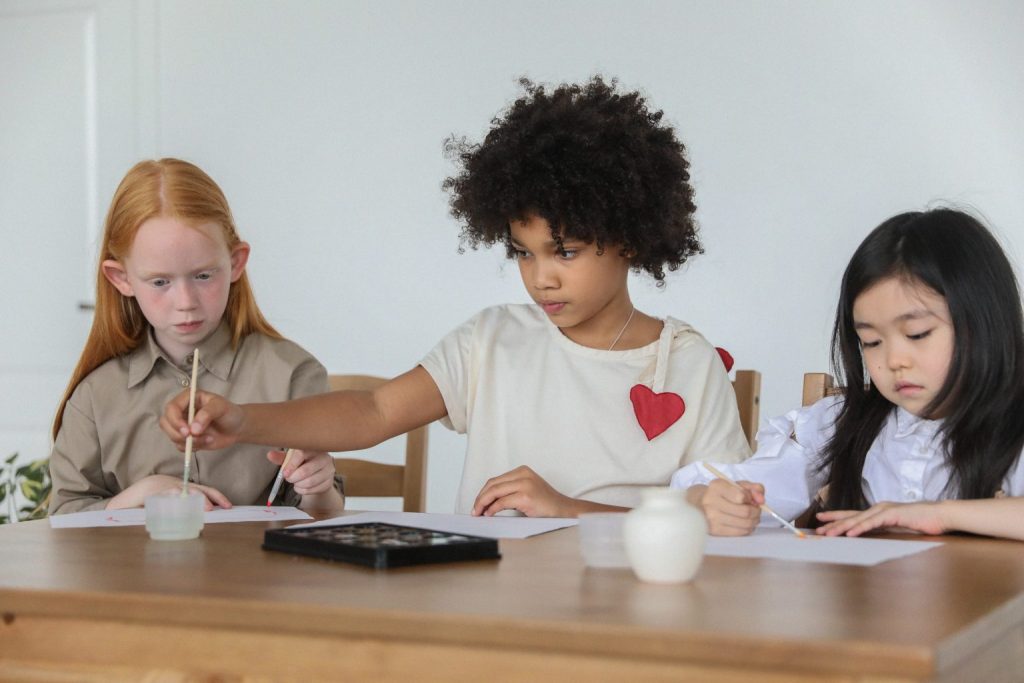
(655, 412)
(726, 358)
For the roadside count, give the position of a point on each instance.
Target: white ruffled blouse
(904, 464)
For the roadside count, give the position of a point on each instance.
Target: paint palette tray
(380, 545)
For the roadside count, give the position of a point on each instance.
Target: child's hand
(135, 495)
(309, 472)
(729, 510)
(925, 518)
(216, 425)
(524, 490)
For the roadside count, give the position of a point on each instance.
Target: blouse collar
(908, 424)
(215, 356)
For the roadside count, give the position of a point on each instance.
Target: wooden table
(110, 604)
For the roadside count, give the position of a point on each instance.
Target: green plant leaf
(32, 480)
(36, 467)
(28, 512)
(29, 471)
(30, 475)
(32, 490)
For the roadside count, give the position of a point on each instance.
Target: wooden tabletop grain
(954, 611)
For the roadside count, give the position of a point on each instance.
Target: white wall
(808, 123)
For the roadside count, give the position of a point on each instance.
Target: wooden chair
(364, 478)
(747, 387)
(818, 385)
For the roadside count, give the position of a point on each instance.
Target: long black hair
(982, 399)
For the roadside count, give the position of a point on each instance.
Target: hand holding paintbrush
(789, 525)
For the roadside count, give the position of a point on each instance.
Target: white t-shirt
(525, 394)
(905, 464)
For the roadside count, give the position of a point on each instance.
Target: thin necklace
(619, 335)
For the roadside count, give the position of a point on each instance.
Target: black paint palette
(380, 545)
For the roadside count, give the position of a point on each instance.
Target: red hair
(162, 188)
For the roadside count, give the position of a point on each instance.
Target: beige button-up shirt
(110, 436)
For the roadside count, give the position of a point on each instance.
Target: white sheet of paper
(779, 544)
(137, 516)
(487, 527)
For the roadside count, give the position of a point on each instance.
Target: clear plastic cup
(601, 541)
(171, 516)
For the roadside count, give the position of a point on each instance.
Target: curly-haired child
(577, 402)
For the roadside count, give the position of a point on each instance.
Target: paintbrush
(789, 525)
(280, 477)
(191, 416)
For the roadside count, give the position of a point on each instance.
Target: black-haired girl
(930, 311)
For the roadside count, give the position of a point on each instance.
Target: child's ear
(239, 257)
(117, 276)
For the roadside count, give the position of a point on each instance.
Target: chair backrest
(364, 478)
(818, 385)
(747, 387)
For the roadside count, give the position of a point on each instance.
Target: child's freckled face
(576, 287)
(181, 276)
(907, 340)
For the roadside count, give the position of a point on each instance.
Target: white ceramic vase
(665, 536)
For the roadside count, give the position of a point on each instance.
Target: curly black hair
(595, 163)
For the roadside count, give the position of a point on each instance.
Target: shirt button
(911, 494)
(185, 381)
